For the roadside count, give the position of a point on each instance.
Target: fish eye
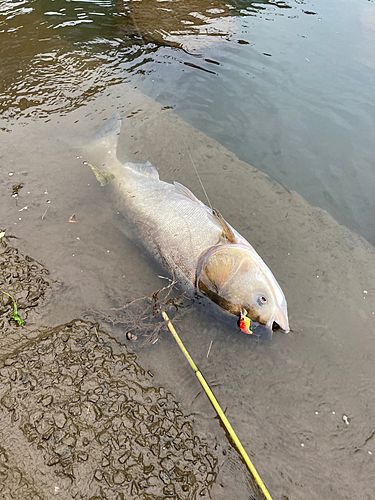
(262, 300)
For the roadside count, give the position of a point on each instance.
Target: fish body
(192, 241)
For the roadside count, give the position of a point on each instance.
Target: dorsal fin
(227, 230)
(146, 169)
(216, 215)
(180, 188)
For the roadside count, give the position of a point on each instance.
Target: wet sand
(303, 404)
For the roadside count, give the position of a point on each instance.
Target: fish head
(236, 278)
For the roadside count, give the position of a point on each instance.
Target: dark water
(289, 88)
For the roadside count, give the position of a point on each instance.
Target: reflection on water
(287, 85)
(57, 55)
(48, 64)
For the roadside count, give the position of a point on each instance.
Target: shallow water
(64, 71)
(287, 86)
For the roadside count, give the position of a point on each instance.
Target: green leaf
(15, 316)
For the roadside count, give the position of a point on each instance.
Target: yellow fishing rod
(218, 409)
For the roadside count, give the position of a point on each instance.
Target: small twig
(164, 278)
(128, 304)
(209, 349)
(45, 212)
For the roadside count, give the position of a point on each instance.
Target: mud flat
(304, 404)
(80, 418)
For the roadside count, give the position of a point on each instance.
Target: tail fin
(101, 153)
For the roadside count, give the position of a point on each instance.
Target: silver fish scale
(175, 229)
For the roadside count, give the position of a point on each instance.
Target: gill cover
(235, 279)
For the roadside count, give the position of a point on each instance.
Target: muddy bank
(25, 281)
(80, 418)
(304, 404)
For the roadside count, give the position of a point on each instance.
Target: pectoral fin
(228, 234)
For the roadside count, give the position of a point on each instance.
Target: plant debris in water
(16, 188)
(142, 315)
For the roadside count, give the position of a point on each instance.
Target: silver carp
(191, 241)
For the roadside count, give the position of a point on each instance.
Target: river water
(285, 86)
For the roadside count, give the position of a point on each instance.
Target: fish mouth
(280, 321)
(276, 326)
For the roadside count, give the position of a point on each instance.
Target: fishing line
(197, 173)
(219, 411)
